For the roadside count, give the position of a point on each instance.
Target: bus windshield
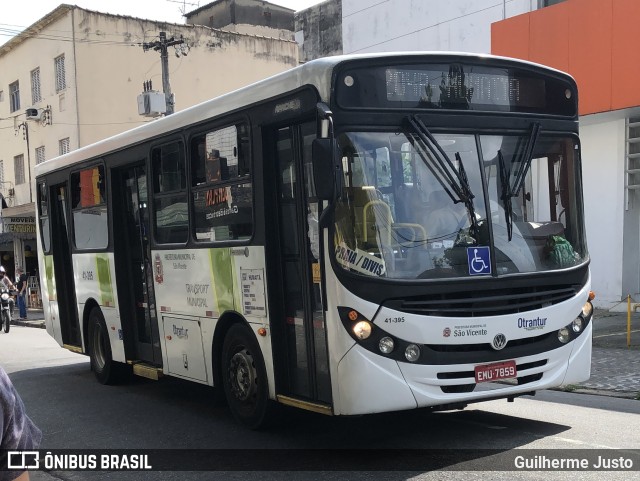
(417, 205)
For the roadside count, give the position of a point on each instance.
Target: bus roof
(315, 72)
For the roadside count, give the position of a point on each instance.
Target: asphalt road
(75, 412)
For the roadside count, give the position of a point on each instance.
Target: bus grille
(486, 302)
(486, 347)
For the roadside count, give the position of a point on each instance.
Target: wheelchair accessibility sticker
(479, 259)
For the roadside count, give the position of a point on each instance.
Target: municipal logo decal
(157, 266)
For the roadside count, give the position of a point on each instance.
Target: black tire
(244, 378)
(107, 370)
(6, 320)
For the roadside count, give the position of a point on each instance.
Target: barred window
(35, 86)
(14, 93)
(61, 82)
(1, 173)
(18, 166)
(40, 154)
(63, 145)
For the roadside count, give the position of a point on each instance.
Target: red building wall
(593, 40)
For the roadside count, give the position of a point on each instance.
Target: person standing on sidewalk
(21, 285)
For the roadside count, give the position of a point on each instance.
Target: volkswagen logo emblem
(499, 342)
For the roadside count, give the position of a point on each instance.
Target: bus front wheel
(107, 371)
(244, 378)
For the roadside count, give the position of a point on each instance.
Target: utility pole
(25, 133)
(162, 46)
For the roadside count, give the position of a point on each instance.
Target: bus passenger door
(301, 350)
(134, 270)
(63, 267)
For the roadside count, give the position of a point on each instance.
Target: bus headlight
(386, 345)
(577, 324)
(412, 353)
(563, 335)
(587, 310)
(370, 336)
(362, 330)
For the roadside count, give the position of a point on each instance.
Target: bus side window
(168, 168)
(170, 193)
(220, 155)
(89, 208)
(222, 201)
(43, 214)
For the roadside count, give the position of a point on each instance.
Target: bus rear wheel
(244, 378)
(106, 370)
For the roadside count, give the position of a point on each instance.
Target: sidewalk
(35, 318)
(615, 368)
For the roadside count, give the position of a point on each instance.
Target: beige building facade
(73, 78)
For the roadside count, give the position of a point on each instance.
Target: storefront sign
(23, 225)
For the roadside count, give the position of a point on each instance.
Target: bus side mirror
(323, 168)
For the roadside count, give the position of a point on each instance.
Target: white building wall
(110, 76)
(407, 25)
(17, 65)
(603, 156)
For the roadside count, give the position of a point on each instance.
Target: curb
(633, 395)
(37, 324)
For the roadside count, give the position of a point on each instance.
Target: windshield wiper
(468, 202)
(436, 160)
(510, 190)
(506, 194)
(454, 181)
(525, 160)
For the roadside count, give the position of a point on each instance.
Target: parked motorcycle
(5, 310)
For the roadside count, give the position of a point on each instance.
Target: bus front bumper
(371, 383)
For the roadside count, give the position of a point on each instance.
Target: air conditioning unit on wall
(33, 114)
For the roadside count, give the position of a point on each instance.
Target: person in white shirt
(4, 278)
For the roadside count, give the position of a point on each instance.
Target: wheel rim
(99, 350)
(242, 375)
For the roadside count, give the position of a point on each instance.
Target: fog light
(362, 330)
(577, 324)
(587, 310)
(386, 345)
(412, 353)
(563, 335)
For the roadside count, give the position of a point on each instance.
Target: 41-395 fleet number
(393, 320)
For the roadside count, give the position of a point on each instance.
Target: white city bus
(356, 235)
